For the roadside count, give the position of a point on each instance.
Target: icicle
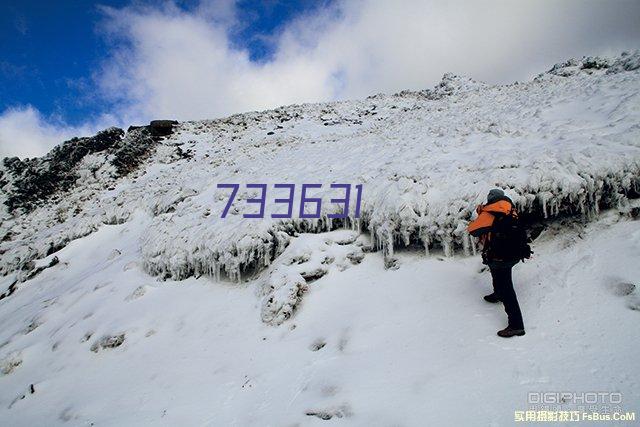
(465, 243)
(447, 247)
(474, 248)
(385, 237)
(426, 241)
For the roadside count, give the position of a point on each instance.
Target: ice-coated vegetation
(567, 142)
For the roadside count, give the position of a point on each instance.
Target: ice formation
(308, 258)
(567, 142)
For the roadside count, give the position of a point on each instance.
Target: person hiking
(503, 244)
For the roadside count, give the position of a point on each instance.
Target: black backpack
(509, 240)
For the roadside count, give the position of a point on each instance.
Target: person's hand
(479, 208)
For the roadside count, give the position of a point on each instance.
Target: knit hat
(494, 195)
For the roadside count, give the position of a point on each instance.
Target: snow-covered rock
(307, 259)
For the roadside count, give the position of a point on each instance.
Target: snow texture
(369, 347)
(565, 143)
(307, 259)
(127, 300)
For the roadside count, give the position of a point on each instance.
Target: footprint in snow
(328, 259)
(329, 390)
(622, 289)
(137, 293)
(10, 363)
(30, 390)
(298, 259)
(342, 411)
(101, 285)
(634, 303)
(317, 345)
(344, 340)
(114, 254)
(67, 415)
(33, 325)
(130, 265)
(108, 341)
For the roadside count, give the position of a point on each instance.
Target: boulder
(162, 127)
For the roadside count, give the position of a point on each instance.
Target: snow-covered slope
(370, 347)
(128, 299)
(425, 159)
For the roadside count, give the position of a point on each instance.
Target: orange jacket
(481, 226)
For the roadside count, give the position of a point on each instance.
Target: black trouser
(503, 288)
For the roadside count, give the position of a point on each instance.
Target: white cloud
(165, 62)
(24, 132)
(180, 65)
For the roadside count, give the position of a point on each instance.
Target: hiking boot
(509, 332)
(492, 298)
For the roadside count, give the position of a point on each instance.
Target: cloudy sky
(72, 67)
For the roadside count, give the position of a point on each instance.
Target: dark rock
(31, 182)
(133, 150)
(12, 288)
(162, 127)
(535, 230)
(53, 248)
(132, 127)
(355, 257)
(33, 272)
(35, 180)
(184, 154)
(594, 63)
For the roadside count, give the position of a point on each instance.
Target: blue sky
(50, 49)
(71, 67)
